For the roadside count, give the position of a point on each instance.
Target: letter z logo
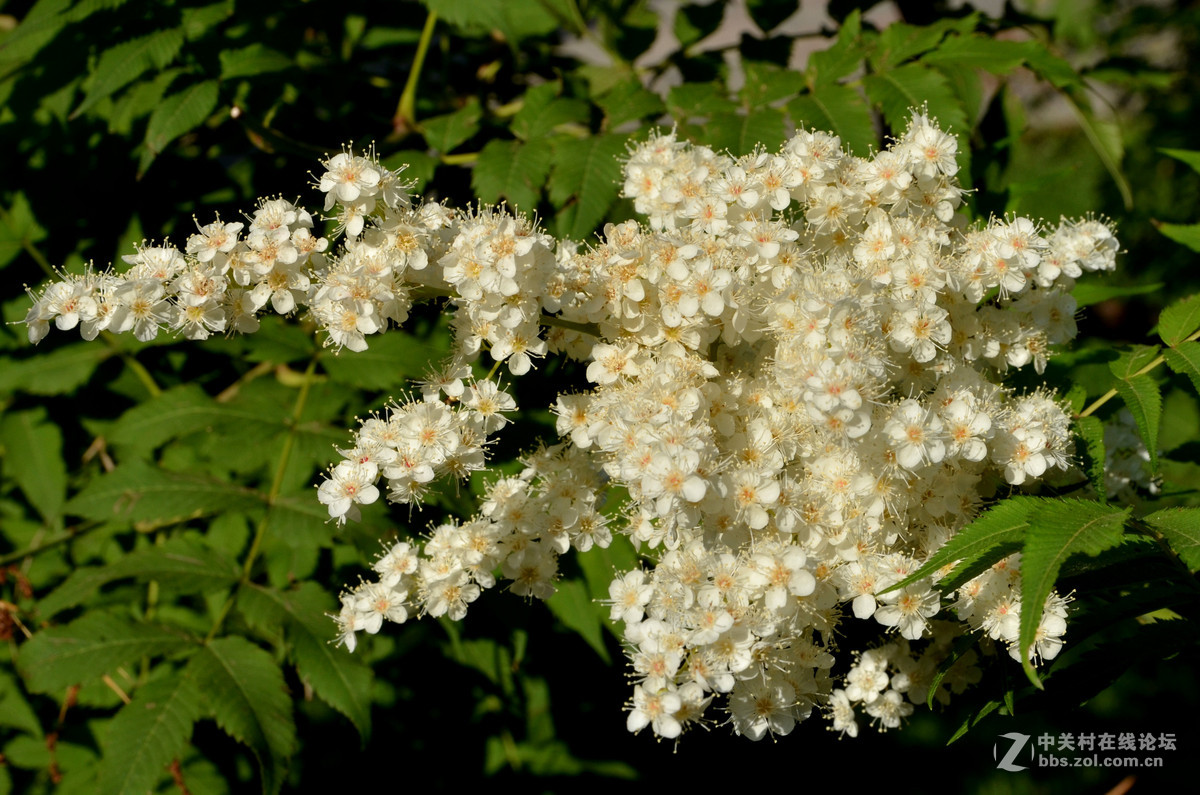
(1018, 742)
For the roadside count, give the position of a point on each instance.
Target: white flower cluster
(795, 381)
(217, 284)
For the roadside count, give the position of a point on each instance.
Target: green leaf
(1057, 530)
(542, 110)
(842, 59)
(573, 606)
(1050, 67)
(1183, 234)
(1131, 362)
(627, 101)
(512, 170)
(179, 113)
(445, 133)
(585, 182)
(18, 228)
(1180, 320)
(1144, 401)
(254, 60)
(1191, 157)
(148, 733)
(698, 99)
(139, 101)
(898, 42)
(179, 566)
(766, 83)
(978, 52)
(59, 372)
(245, 692)
(1181, 528)
(991, 537)
(741, 133)
(839, 110)
(338, 678)
(33, 458)
(201, 19)
(179, 412)
(392, 360)
(89, 647)
(1105, 138)
(15, 712)
(916, 86)
(1089, 292)
(1091, 431)
(139, 492)
(1184, 359)
(121, 65)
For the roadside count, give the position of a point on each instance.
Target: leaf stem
(35, 549)
(276, 484)
(406, 111)
(1110, 394)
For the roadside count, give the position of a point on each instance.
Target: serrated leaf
(122, 64)
(139, 101)
(338, 678)
(1133, 361)
(898, 42)
(991, 537)
(139, 492)
(1091, 431)
(1184, 359)
(1189, 156)
(18, 228)
(1181, 528)
(201, 19)
(15, 712)
(178, 114)
(179, 412)
(89, 647)
(628, 101)
(1144, 401)
(916, 86)
(512, 170)
(1087, 293)
(573, 606)
(839, 110)
(148, 733)
(59, 372)
(444, 133)
(978, 52)
(392, 360)
(698, 99)
(585, 182)
(255, 59)
(246, 694)
(1051, 67)
(1057, 530)
(1183, 234)
(740, 133)
(766, 83)
(842, 59)
(1180, 320)
(180, 566)
(542, 110)
(33, 458)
